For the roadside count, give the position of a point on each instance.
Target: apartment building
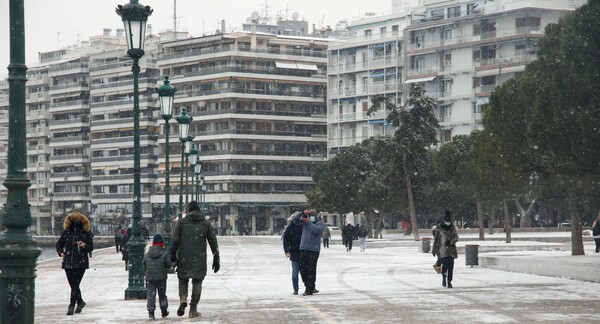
(458, 51)
(368, 62)
(259, 121)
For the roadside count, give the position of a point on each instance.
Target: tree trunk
(492, 220)
(576, 238)
(506, 221)
(480, 219)
(368, 225)
(525, 215)
(411, 207)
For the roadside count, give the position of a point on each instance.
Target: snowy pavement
(382, 285)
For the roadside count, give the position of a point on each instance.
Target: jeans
(448, 267)
(295, 270)
(308, 269)
(363, 243)
(74, 277)
(151, 287)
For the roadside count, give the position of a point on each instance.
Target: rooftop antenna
(174, 15)
(57, 40)
(266, 6)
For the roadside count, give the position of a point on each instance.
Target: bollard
(425, 244)
(472, 255)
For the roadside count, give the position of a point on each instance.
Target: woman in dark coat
(73, 246)
(444, 247)
(125, 248)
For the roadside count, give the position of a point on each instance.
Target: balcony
(255, 91)
(240, 48)
(37, 114)
(69, 123)
(69, 105)
(68, 68)
(37, 97)
(69, 141)
(125, 139)
(100, 159)
(41, 131)
(485, 90)
(69, 87)
(125, 102)
(69, 158)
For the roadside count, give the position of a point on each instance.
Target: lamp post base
(135, 294)
(136, 288)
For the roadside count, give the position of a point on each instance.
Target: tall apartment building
(458, 50)
(258, 103)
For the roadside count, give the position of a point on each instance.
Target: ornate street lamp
(134, 17)
(198, 171)
(18, 249)
(188, 150)
(184, 128)
(166, 94)
(193, 160)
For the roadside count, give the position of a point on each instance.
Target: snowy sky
(51, 24)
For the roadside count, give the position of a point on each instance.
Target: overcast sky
(52, 24)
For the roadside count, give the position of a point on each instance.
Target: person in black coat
(73, 246)
(125, 248)
(348, 236)
(292, 234)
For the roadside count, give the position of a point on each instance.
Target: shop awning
(296, 66)
(419, 80)
(303, 66)
(284, 65)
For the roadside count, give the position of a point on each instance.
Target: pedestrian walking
(157, 263)
(188, 249)
(145, 232)
(348, 236)
(292, 235)
(310, 247)
(444, 246)
(326, 236)
(362, 238)
(125, 247)
(73, 246)
(596, 232)
(118, 237)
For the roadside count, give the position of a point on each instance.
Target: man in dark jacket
(189, 250)
(291, 246)
(156, 267)
(348, 236)
(310, 247)
(118, 237)
(444, 246)
(73, 246)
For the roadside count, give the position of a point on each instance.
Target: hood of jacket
(156, 252)
(75, 217)
(195, 215)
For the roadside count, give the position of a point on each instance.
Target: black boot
(151, 314)
(449, 284)
(80, 305)
(71, 309)
(164, 312)
(443, 280)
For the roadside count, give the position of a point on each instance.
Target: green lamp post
(198, 172)
(166, 94)
(203, 193)
(184, 128)
(189, 142)
(134, 16)
(193, 160)
(18, 249)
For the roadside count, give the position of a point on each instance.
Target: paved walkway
(382, 285)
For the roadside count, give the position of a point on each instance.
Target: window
(365, 83)
(383, 31)
(477, 29)
(454, 12)
(395, 30)
(447, 34)
(520, 49)
(471, 9)
(448, 60)
(448, 85)
(437, 14)
(532, 22)
(368, 33)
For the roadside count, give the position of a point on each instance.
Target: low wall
(99, 241)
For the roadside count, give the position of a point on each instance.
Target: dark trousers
(448, 267)
(597, 240)
(308, 269)
(74, 277)
(326, 243)
(196, 290)
(348, 244)
(118, 243)
(152, 286)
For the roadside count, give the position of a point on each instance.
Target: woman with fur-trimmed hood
(73, 246)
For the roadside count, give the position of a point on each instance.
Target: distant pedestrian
(444, 247)
(348, 236)
(326, 236)
(596, 232)
(362, 238)
(145, 232)
(156, 267)
(356, 228)
(125, 247)
(118, 237)
(292, 235)
(310, 247)
(188, 248)
(73, 246)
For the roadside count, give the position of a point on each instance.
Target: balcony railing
(80, 84)
(69, 157)
(242, 48)
(200, 93)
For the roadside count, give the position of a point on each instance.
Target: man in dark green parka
(188, 248)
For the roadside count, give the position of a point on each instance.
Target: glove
(447, 243)
(173, 258)
(216, 262)
(433, 253)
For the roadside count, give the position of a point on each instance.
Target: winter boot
(194, 311)
(182, 305)
(449, 284)
(443, 280)
(164, 312)
(71, 309)
(80, 305)
(151, 315)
